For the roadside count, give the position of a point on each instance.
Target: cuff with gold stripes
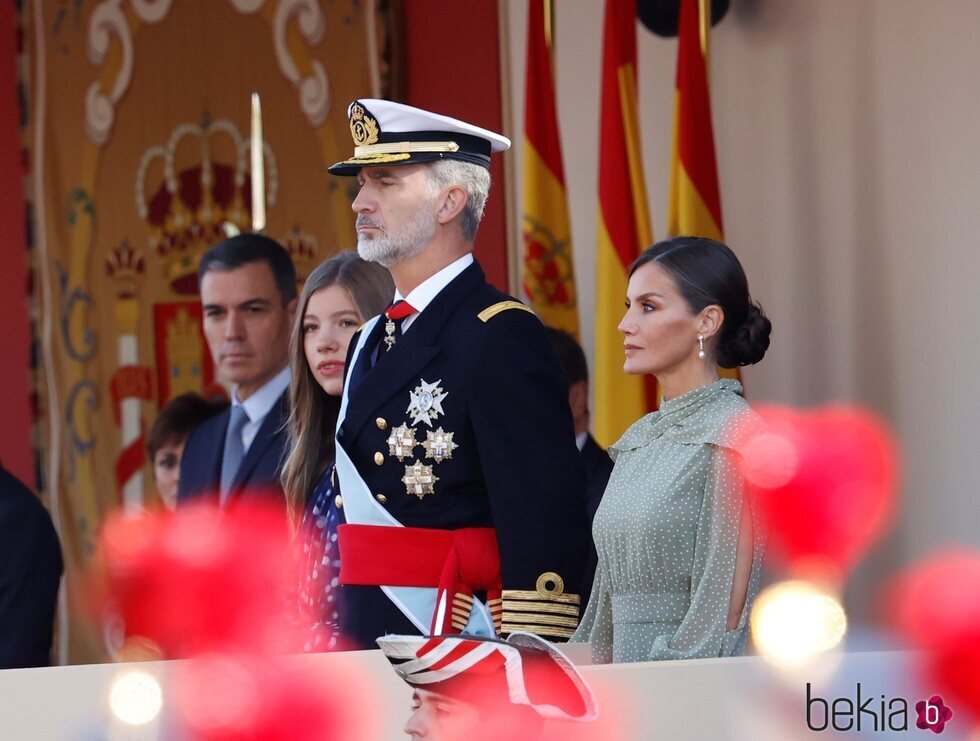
(546, 610)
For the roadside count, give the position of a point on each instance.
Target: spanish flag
(549, 275)
(623, 226)
(694, 207)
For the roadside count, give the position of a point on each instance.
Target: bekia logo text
(867, 712)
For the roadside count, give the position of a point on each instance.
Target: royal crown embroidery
(363, 126)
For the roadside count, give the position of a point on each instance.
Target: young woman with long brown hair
(338, 297)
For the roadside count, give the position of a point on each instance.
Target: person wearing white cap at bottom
(478, 688)
(461, 485)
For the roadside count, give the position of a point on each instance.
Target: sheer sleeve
(702, 632)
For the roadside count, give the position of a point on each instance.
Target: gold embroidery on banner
(491, 311)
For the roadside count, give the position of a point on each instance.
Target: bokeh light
(135, 697)
(794, 622)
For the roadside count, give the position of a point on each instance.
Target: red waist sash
(456, 562)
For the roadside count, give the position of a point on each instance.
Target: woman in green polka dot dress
(680, 549)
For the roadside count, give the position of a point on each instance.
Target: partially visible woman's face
(166, 472)
(660, 331)
(330, 320)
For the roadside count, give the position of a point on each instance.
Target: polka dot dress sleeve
(702, 633)
(596, 626)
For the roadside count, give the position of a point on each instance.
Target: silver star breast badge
(439, 445)
(419, 479)
(425, 402)
(401, 442)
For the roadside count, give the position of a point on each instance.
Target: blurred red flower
(824, 482)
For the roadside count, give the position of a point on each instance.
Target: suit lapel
(271, 425)
(413, 351)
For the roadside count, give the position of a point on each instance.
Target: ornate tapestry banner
(138, 115)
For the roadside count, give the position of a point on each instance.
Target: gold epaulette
(491, 311)
(546, 610)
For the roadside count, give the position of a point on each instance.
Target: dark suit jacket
(598, 466)
(515, 467)
(30, 570)
(258, 475)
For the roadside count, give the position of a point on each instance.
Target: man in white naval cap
(461, 485)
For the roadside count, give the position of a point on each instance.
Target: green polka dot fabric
(666, 534)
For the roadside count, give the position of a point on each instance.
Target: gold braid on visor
(369, 150)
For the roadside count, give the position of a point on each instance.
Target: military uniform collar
(423, 294)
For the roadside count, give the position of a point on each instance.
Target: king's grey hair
(472, 178)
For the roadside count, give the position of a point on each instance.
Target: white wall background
(848, 138)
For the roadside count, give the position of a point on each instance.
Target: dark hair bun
(748, 343)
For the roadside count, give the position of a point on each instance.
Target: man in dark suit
(30, 571)
(598, 464)
(248, 293)
(461, 486)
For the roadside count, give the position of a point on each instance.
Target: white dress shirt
(260, 403)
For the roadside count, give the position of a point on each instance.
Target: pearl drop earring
(701, 346)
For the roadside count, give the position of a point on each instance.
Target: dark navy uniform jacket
(515, 468)
(30, 571)
(598, 467)
(258, 473)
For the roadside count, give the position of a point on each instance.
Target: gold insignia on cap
(363, 126)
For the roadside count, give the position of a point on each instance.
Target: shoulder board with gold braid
(491, 311)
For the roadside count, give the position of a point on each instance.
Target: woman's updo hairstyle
(707, 272)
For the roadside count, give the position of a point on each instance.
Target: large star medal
(401, 442)
(439, 445)
(426, 402)
(419, 479)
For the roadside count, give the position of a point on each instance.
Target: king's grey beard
(391, 248)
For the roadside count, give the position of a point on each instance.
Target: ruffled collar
(675, 415)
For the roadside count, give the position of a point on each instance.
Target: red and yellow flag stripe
(623, 226)
(548, 271)
(694, 207)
